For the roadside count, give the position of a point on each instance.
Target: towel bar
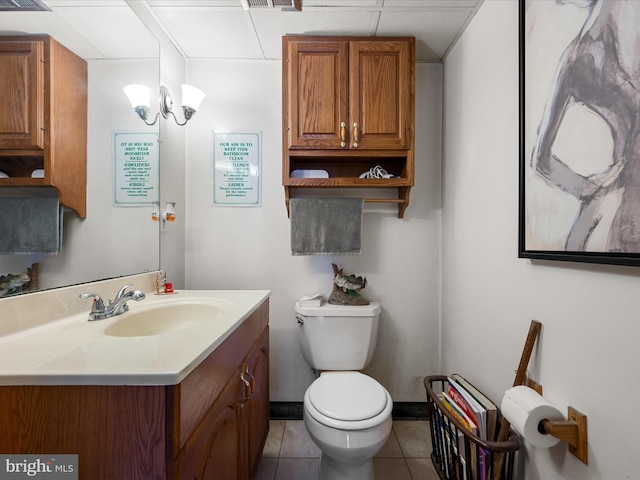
(401, 202)
(385, 200)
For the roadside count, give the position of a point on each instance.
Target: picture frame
(579, 197)
(136, 168)
(237, 168)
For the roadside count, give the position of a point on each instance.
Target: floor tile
(296, 441)
(422, 469)
(290, 454)
(267, 468)
(391, 469)
(391, 448)
(413, 437)
(274, 439)
(298, 469)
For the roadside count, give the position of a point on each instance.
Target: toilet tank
(337, 337)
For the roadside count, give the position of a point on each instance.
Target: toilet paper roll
(524, 408)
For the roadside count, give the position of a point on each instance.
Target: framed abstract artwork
(580, 131)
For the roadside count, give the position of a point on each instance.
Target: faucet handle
(98, 303)
(121, 291)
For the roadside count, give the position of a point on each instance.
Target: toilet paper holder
(573, 431)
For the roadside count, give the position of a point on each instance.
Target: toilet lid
(349, 396)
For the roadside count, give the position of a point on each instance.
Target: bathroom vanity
(190, 400)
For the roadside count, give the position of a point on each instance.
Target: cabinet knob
(356, 134)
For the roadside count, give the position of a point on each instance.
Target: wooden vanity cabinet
(43, 117)
(348, 105)
(227, 443)
(255, 406)
(212, 425)
(213, 449)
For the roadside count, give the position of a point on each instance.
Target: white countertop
(75, 351)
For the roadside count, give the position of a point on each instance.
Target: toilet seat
(348, 401)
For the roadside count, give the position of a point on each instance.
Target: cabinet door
(315, 92)
(212, 452)
(255, 408)
(380, 94)
(22, 87)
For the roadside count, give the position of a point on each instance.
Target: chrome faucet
(115, 307)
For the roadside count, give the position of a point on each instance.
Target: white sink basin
(164, 318)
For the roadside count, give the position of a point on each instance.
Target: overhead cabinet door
(379, 94)
(317, 95)
(347, 94)
(22, 87)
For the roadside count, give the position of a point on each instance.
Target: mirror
(114, 240)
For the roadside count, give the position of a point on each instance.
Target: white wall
(244, 248)
(587, 354)
(173, 168)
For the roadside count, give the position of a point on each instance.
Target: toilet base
(333, 470)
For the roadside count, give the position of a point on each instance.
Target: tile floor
(290, 454)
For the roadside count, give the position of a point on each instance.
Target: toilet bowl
(348, 416)
(347, 413)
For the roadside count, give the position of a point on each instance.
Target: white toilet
(347, 413)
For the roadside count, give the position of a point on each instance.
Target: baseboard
(401, 410)
(409, 411)
(285, 410)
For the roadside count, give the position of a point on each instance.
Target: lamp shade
(138, 95)
(192, 97)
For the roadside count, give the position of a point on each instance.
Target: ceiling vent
(278, 4)
(23, 6)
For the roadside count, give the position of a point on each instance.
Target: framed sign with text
(237, 168)
(137, 168)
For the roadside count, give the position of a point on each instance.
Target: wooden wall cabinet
(43, 117)
(212, 425)
(348, 105)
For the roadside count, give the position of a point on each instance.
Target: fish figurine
(350, 282)
(13, 280)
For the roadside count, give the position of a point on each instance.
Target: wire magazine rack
(457, 453)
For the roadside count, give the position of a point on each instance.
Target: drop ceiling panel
(195, 3)
(222, 29)
(20, 23)
(97, 31)
(468, 4)
(211, 32)
(434, 32)
(341, 3)
(115, 32)
(271, 25)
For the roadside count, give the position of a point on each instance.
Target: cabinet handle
(252, 380)
(356, 134)
(343, 134)
(247, 387)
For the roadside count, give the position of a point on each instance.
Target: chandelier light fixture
(140, 98)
